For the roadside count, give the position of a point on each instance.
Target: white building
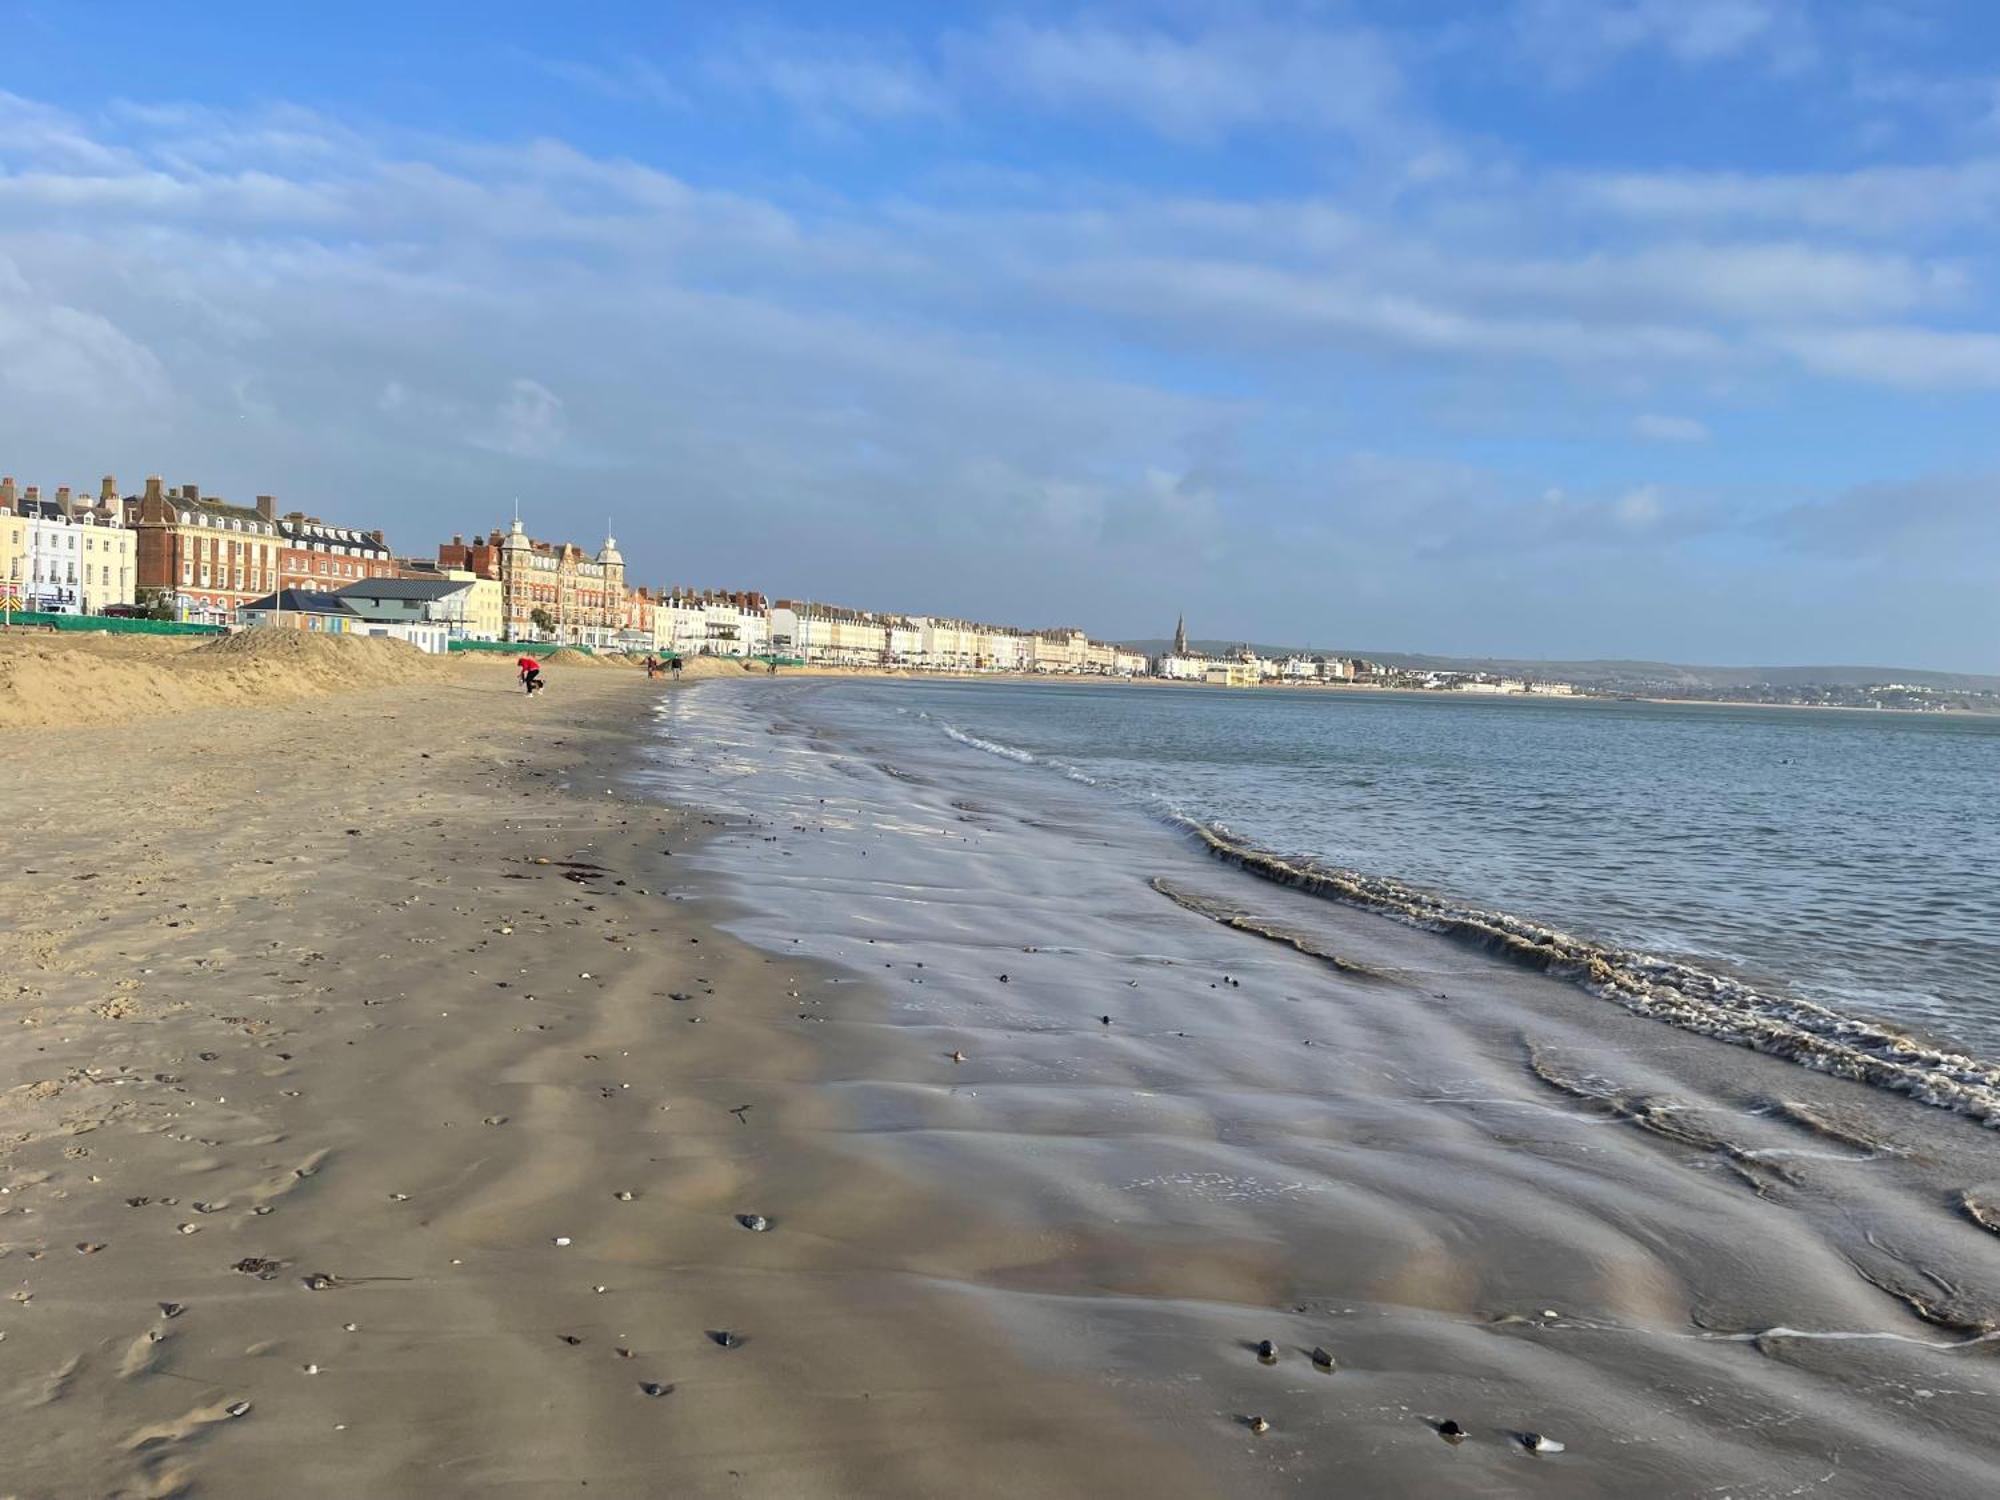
(72, 556)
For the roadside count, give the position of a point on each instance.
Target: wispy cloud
(1197, 85)
(1574, 38)
(1658, 427)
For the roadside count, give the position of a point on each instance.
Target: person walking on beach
(531, 674)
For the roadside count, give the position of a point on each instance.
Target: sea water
(1847, 858)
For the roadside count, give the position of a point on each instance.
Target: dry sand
(335, 1034)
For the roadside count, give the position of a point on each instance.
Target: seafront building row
(197, 557)
(187, 555)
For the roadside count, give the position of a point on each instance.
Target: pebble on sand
(1267, 1351)
(1535, 1442)
(724, 1339)
(756, 1223)
(1257, 1425)
(1451, 1431)
(654, 1388)
(1322, 1360)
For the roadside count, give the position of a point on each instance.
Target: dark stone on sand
(1450, 1431)
(756, 1223)
(724, 1339)
(1267, 1351)
(1322, 1360)
(569, 1338)
(654, 1388)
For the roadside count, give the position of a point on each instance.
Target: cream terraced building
(66, 554)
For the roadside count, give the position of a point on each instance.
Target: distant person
(773, 661)
(675, 665)
(652, 667)
(531, 674)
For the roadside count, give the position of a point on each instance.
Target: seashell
(1267, 1351)
(172, 1309)
(624, 1195)
(1321, 1359)
(724, 1339)
(88, 1247)
(137, 1202)
(238, 1408)
(958, 1057)
(560, 1240)
(623, 1353)
(319, 1281)
(756, 1223)
(1258, 1425)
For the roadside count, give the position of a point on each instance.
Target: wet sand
(1200, 1110)
(318, 1093)
(308, 960)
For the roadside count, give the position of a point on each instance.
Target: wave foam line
(1679, 994)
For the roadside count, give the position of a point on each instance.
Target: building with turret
(555, 591)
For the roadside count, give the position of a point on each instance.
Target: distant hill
(1626, 675)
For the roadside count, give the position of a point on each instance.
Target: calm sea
(1851, 859)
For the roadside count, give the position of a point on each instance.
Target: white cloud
(1918, 358)
(831, 80)
(529, 422)
(1572, 38)
(1886, 202)
(1197, 86)
(1657, 427)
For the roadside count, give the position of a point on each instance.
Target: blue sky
(1638, 328)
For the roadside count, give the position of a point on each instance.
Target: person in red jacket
(531, 674)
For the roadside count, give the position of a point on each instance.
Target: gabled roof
(300, 602)
(403, 588)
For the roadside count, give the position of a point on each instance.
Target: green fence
(115, 626)
(516, 648)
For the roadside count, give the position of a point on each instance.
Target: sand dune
(51, 680)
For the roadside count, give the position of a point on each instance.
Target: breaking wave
(1680, 994)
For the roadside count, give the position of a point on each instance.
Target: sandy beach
(423, 1090)
(389, 994)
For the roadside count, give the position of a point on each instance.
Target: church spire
(1180, 636)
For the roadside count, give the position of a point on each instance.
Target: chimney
(190, 492)
(267, 507)
(107, 493)
(63, 501)
(7, 492)
(457, 540)
(34, 493)
(155, 489)
(380, 540)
